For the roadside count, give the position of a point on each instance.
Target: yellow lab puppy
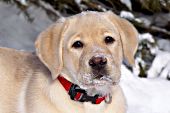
(76, 69)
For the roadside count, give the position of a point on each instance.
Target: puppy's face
(89, 48)
(92, 53)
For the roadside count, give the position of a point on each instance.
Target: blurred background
(146, 86)
(22, 20)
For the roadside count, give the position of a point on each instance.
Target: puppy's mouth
(95, 81)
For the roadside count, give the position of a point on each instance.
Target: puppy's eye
(78, 44)
(109, 40)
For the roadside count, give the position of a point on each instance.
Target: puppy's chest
(94, 108)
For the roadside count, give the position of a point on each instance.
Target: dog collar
(78, 94)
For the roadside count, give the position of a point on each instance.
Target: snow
(23, 2)
(16, 32)
(149, 38)
(145, 95)
(164, 44)
(84, 13)
(102, 8)
(145, 21)
(160, 66)
(127, 3)
(136, 69)
(62, 20)
(146, 36)
(78, 1)
(127, 15)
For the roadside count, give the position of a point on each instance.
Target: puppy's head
(89, 49)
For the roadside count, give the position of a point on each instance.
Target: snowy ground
(145, 95)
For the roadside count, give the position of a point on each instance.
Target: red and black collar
(78, 94)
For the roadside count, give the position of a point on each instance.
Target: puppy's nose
(98, 62)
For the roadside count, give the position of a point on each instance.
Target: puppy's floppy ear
(128, 35)
(49, 47)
